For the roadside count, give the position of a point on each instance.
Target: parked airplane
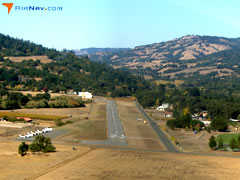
(21, 136)
(37, 132)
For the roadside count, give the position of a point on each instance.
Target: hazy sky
(119, 23)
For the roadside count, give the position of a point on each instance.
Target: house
(166, 105)
(25, 118)
(203, 114)
(161, 108)
(87, 95)
(206, 123)
(168, 114)
(71, 92)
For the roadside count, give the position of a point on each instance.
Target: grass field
(92, 126)
(227, 137)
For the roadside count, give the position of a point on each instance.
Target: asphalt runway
(116, 135)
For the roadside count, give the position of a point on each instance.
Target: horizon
(119, 24)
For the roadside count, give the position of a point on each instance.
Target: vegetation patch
(90, 129)
(227, 137)
(32, 116)
(40, 144)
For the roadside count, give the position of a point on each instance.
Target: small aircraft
(22, 136)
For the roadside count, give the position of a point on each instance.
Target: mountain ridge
(161, 59)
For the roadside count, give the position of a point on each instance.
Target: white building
(166, 105)
(87, 95)
(163, 107)
(160, 108)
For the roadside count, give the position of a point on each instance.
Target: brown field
(123, 165)
(16, 167)
(139, 135)
(95, 164)
(43, 59)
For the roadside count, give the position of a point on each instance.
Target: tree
(212, 142)
(219, 123)
(23, 148)
(233, 143)
(43, 144)
(220, 143)
(238, 141)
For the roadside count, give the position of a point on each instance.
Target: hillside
(179, 56)
(28, 66)
(98, 51)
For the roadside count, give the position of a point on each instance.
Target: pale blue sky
(119, 23)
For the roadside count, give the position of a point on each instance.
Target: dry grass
(96, 164)
(43, 59)
(121, 165)
(16, 167)
(139, 135)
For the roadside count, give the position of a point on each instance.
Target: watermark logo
(8, 5)
(31, 8)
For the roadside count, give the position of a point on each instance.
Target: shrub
(172, 124)
(212, 142)
(238, 141)
(219, 123)
(23, 148)
(59, 122)
(220, 143)
(233, 143)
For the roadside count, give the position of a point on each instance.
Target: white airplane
(21, 136)
(33, 133)
(29, 135)
(47, 129)
(39, 132)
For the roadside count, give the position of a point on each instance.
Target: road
(163, 138)
(116, 135)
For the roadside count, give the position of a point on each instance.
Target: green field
(227, 137)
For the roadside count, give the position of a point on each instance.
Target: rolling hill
(183, 56)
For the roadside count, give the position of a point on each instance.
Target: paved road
(163, 138)
(116, 135)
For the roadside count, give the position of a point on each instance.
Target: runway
(116, 135)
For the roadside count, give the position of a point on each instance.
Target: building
(25, 119)
(161, 108)
(203, 114)
(87, 95)
(166, 105)
(168, 114)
